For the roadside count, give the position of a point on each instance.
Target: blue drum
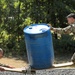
(39, 46)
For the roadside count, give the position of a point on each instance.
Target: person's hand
(51, 28)
(50, 25)
(1, 53)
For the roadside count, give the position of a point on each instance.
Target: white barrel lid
(36, 28)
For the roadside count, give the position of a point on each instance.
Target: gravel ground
(56, 72)
(11, 73)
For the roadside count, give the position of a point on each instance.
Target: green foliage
(66, 44)
(27, 21)
(16, 14)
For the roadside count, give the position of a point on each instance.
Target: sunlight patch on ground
(14, 62)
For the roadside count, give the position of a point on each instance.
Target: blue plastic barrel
(39, 46)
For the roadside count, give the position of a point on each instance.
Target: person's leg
(73, 58)
(1, 53)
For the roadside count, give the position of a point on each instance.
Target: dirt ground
(19, 62)
(13, 61)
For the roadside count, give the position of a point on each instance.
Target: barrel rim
(34, 25)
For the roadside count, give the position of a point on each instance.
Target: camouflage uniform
(66, 30)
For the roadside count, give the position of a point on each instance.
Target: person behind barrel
(68, 29)
(1, 55)
(3, 66)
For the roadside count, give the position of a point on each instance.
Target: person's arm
(65, 30)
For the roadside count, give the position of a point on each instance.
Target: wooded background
(17, 14)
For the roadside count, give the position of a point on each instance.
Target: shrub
(66, 44)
